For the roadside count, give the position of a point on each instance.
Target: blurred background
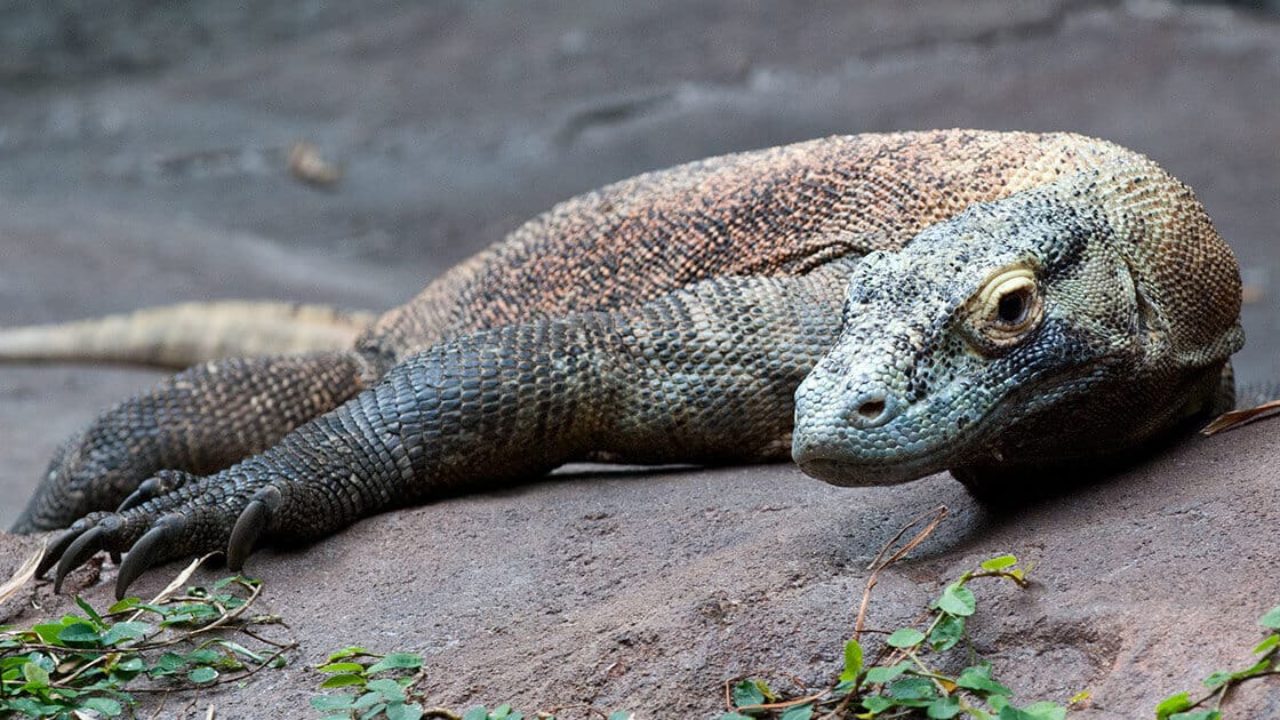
(145, 147)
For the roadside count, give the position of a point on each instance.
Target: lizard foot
(173, 515)
(197, 422)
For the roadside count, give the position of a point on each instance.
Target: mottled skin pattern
(907, 303)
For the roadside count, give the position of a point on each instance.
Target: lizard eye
(1007, 308)
(1011, 308)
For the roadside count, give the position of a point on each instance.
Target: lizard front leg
(702, 375)
(198, 421)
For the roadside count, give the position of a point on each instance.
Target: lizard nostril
(871, 409)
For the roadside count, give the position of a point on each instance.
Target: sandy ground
(141, 172)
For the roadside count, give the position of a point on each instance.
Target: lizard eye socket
(1007, 308)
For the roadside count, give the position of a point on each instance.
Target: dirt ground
(143, 161)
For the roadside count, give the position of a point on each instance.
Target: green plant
(904, 679)
(1180, 706)
(387, 686)
(94, 664)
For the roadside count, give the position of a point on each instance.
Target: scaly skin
(980, 302)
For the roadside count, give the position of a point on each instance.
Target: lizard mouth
(833, 468)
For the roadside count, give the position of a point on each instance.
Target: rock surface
(144, 163)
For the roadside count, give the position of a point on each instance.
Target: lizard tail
(179, 336)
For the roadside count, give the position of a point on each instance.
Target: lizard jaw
(842, 472)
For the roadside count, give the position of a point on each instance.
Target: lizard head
(1077, 320)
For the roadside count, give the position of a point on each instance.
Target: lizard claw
(161, 483)
(253, 521)
(145, 492)
(148, 551)
(83, 546)
(58, 548)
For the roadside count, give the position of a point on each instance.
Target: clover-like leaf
(999, 563)
(202, 675)
(958, 600)
(905, 638)
(1172, 704)
(798, 712)
(396, 661)
(1271, 619)
(948, 631)
(852, 662)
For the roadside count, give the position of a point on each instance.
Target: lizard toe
(161, 483)
(150, 550)
(250, 526)
(84, 546)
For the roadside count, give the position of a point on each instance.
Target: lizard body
(879, 307)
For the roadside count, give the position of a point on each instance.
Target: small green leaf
(905, 638)
(978, 678)
(341, 667)
(48, 632)
(1045, 711)
(958, 600)
(203, 656)
(103, 706)
(726, 716)
(1271, 619)
(880, 675)
(1081, 697)
(203, 674)
(399, 711)
(388, 689)
(133, 664)
(913, 688)
(124, 605)
(1217, 679)
(80, 633)
(345, 680)
(1001, 562)
(94, 617)
(347, 652)
(852, 662)
(396, 661)
(168, 664)
(123, 631)
(747, 692)
(947, 633)
(943, 708)
(479, 712)
(1267, 645)
(331, 702)
(877, 703)
(1256, 669)
(622, 715)
(35, 675)
(799, 712)
(1197, 715)
(1172, 704)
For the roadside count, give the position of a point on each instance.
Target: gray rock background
(142, 155)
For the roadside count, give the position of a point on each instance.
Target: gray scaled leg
(198, 421)
(706, 374)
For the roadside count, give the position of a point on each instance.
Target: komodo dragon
(877, 307)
